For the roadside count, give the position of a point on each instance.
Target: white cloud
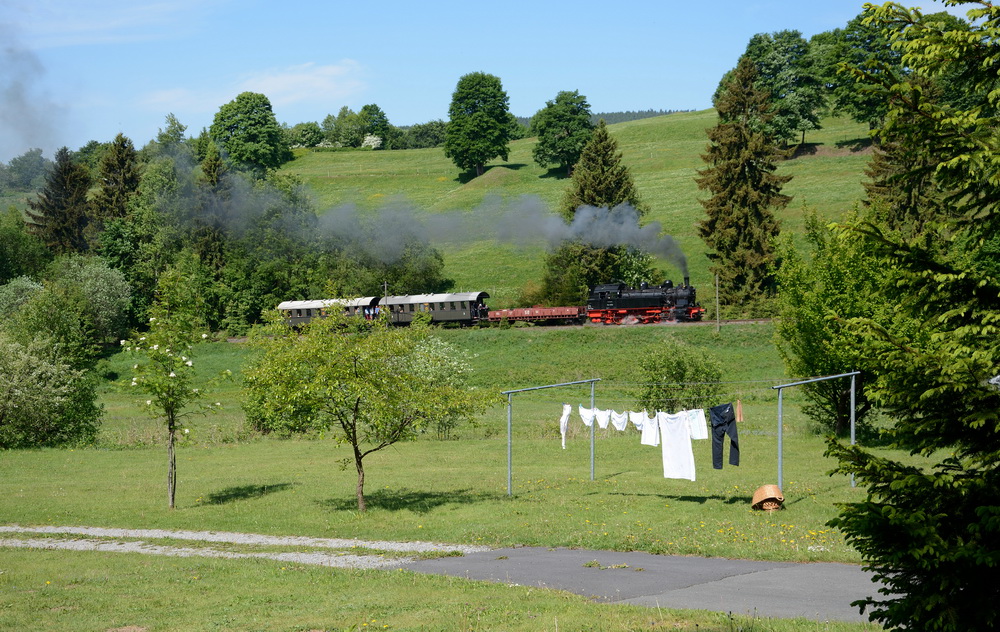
(56, 23)
(307, 83)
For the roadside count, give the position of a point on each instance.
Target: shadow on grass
(558, 173)
(468, 176)
(419, 502)
(701, 500)
(855, 144)
(242, 492)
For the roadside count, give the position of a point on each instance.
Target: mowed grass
(663, 154)
(456, 490)
(435, 490)
(72, 592)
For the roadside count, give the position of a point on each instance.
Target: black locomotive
(616, 303)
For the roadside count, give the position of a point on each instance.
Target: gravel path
(343, 559)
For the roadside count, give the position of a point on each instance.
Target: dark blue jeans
(724, 423)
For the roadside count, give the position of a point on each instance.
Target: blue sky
(74, 71)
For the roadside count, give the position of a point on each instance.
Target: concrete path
(817, 591)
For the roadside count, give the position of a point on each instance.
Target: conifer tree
(60, 215)
(928, 527)
(601, 180)
(118, 180)
(740, 226)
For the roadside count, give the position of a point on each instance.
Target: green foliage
(859, 52)
(60, 214)
(82, 307)
(164, 370)
(15, 294)
(819, 292)
(929, 533)
(44, 401)
(421, 135)
(250, 135)
(786, 74)
(370, 384)
(479, 122)
(25, 172)
(118, 180)
(374, 122)
(601, 178)
(21, 253)
(677, 376)
(740, 227)
(563, 128)
(305, 134)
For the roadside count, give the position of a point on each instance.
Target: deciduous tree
(785, 73)
(250, 134)
(371, 386)
(44, 401)
(479, 126)
(563, 128)
(165, 369)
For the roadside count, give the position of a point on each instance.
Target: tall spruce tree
(928, 528)
(118, 180)
(740, 227)
(600, 180)
(60, 214)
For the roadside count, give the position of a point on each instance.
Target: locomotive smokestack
(687, 281)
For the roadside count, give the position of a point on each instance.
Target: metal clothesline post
(510, 426)
(781, 391)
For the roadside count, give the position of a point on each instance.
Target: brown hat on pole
(767, 498)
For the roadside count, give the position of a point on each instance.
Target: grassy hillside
(663, 154)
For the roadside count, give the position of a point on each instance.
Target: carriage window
(465, 304)
(309, 313)
(298, 312)
(411, 307)
(440, 305)
(453, 304)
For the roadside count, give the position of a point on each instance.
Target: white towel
(697, 423)
(564, 423)
(650, 431)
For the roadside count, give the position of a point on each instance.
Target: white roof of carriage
(434, 298)
(326, 302)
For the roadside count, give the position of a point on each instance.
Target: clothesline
(673, 432)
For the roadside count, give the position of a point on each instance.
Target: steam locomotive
(617, 304)
(609, 303)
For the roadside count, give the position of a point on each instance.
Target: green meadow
(663, 154)
(450, 489)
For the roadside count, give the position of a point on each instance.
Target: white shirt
(675, 441)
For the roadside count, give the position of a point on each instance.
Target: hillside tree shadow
(468, 176)
(417, 501)
(855, 144)
(243, 492)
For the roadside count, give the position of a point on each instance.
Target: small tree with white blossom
(165, 370)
